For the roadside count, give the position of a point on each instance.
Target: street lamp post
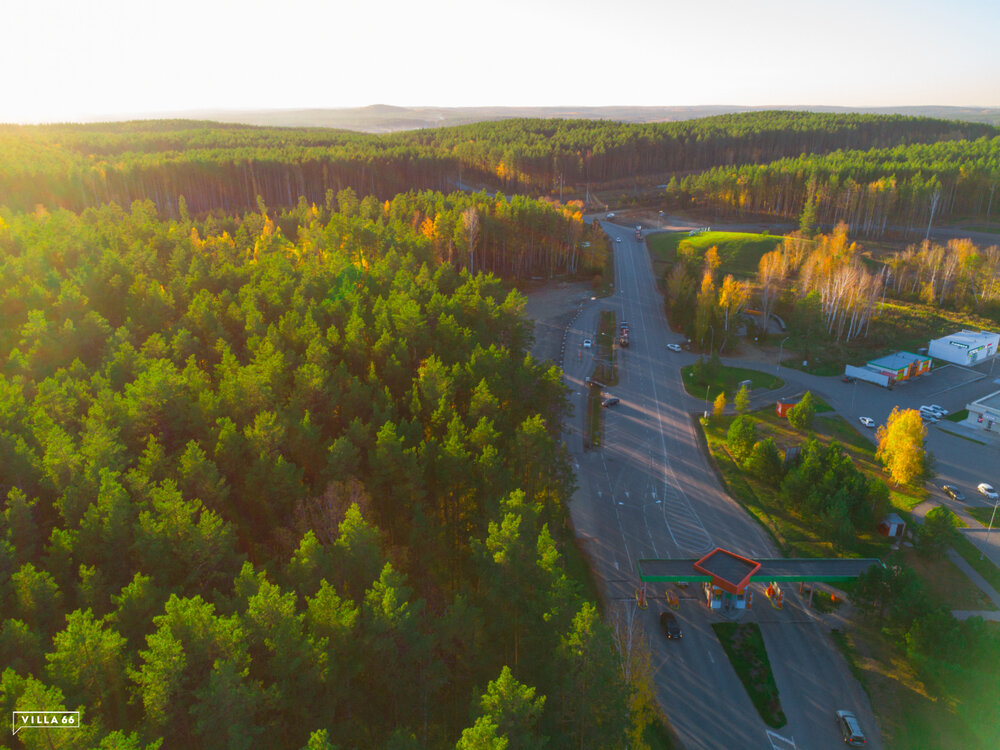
(711, 345)
(780, 346)
(990, 527)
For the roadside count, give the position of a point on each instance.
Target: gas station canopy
(732, 572)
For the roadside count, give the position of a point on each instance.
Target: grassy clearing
(909, 718)
(971, 554)
(744, 646)
(958, 416)
(740, 252)
(946, 583)
(725, 379)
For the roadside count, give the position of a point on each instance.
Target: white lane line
(710, 657)
(659, 417)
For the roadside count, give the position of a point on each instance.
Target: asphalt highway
(649, 492)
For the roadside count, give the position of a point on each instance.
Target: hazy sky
(72, 59)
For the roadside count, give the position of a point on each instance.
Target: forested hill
(909, 186)
(226, 167)
(260, 491)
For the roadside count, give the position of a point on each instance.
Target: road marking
(710, 657)
(777, 741)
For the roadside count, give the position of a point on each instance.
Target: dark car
(671, 628)
(850, 728)
(612, 401)
(848, 379)
(953, 492)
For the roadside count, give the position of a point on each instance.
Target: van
(747, 383)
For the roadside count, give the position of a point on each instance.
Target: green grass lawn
(983, 515)
(909, 718)
(726, 379)
(946, 584)
(740, 252)
(744, 646)
(958, 416)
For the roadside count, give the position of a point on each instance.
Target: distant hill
(382, 118)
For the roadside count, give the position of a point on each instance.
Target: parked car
(953, 492)
(987, 489)
(610, 401)
(618, 239)
(929, 411)
(674, 347)
(848, 379)
(671, 628)
(867, 421)
(850, 728)
(929, 418)
(587, 343)
(939, 410)
(611, 215)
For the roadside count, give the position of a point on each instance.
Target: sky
(89, 59)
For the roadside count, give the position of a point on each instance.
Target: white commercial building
(985, 413)
(965, 347)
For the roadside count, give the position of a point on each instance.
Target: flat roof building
(901, 365)
(965, 347)
(985, 412)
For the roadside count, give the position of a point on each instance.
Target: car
(848, 379)
(587, 343)
(867, 421)
(953, 492)
(850, 728)
(671, 628)
(610, 401)
(611, 215)
(674, 347)
(987, 489)
(618, 239)
(929, 418)
(939, 410)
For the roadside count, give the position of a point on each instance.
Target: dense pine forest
(277, 467)
(257, 488)
(871, 190)
(226, 167)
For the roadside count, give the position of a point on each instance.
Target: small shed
(784, 404)
(892, 526)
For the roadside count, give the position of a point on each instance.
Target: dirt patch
(551, 307)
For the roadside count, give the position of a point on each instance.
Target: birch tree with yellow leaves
(901, 445)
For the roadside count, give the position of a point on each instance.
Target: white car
(867, 421)
(587, 343)
(611, 215)
(987, 489)
(618, 239)
(674, 347)
(939, 410)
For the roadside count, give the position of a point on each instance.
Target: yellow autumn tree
(719, 406)
(901, 445)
